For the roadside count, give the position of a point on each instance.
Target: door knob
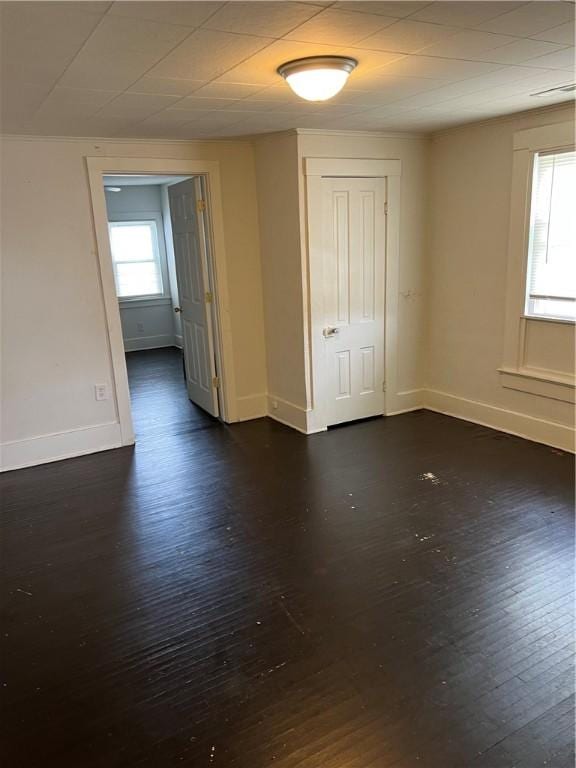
(177, 309)
(330, 331)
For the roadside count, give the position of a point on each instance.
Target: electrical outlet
(275, 405)
(101, 392)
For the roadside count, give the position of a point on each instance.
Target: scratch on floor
(273, 669)
(291, 618)
(430, 476)
(23, 591)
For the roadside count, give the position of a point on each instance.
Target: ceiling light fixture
(317, 78)
(113, 189)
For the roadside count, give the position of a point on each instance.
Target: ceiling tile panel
(407, 36)
(39, 40)
(18, 104)
(339, 27)
(563, 59)
(368, 60)
(463, 14)
(254, 105)
(136, 105)
(106, 71)
(194, 102)
(227, 90)
(398, 10)
(468, 44)
(261, 18)
(443, 69)
(170, 86)
(139, 35)
(531, 18)
(521, 51)
(563, 34)
(169, 117)
(206, 54)
(185, 14)
(127, 47)
(74, 102)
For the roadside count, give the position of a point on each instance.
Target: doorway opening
(161, 253)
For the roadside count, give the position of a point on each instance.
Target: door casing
(98, 167)
(315, 169)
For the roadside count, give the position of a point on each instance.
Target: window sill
(555, 386)
(151, 302)
(542, 318)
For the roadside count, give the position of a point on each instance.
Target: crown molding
(363, 134)
(351, 134)
(510, 117)
(123, 140)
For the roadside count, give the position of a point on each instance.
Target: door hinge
(383, 386)
(216, 382)
(200, 205)
(386, 208)
(208, 297)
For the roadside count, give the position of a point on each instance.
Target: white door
(190, 254)
(353, 245)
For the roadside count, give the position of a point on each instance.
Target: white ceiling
(208, 69)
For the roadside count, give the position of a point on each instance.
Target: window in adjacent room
(136, 259)
(551, 276)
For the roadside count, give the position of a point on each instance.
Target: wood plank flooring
(391, 594)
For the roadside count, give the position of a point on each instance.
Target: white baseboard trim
(178, 341)
(520, 424)
(251, 407)
(404, 402)
(62, 445)
(149, 342)
(288, 413)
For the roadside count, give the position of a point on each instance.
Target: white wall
(280, 242)
(471, 180)
(54, 338)
(146, 324)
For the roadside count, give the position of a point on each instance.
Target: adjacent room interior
(160, 246)
(288, 382)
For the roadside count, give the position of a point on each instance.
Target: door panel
(192, 274)
(353, 227)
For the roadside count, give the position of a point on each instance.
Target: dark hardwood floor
(392, 594)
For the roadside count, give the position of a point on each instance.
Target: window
(551, 277)
(136, 259)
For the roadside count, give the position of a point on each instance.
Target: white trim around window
(517, 371)
(145, 217)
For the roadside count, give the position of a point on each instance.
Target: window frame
(515, 372)
(532, 315)
(159, 254)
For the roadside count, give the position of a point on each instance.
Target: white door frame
(98, 167)
(315, 169)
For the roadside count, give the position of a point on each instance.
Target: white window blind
(551, 278)
(136, 259)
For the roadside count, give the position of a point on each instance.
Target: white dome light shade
(317, 78)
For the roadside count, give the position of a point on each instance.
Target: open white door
(353, 245)
(190, 252)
